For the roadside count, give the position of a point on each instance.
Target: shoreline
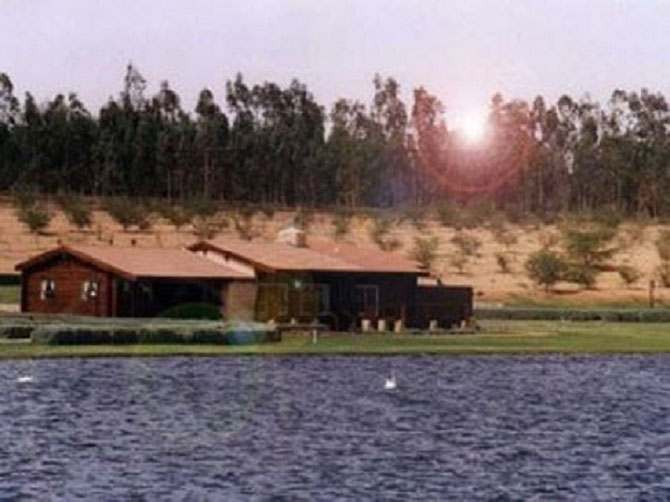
(508, 338)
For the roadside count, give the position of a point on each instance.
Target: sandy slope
(636, 247)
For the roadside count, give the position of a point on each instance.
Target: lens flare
(473, 127)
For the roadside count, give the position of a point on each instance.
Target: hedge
(567, 314)
(194, 310)
(130, 331)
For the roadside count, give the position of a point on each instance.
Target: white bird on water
(390, 383)
(24, 379)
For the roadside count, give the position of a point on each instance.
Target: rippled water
(459, 428)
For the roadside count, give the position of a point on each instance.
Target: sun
(473, 127)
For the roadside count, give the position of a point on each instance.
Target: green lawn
(498, 337)
(10, 294)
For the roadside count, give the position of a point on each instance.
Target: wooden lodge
(336, 284)
(122, 282)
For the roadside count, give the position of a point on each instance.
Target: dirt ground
(635, 244)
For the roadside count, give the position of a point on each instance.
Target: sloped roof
(317, 257)
(135, 262)
(367, 259)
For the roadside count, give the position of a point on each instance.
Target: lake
(324, 428)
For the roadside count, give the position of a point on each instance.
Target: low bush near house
(194, 310)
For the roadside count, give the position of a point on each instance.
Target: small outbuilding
(127, 281)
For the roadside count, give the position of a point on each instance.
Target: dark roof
(136, 262)
(317, 257)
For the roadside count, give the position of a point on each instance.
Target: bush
(609, 217)
(425, 251)
(545, 267)
(35, 216)
(379, 234)
(127, 213)
(458, 260)
(629, 274)
(663, 245)
(466, 243)
(503, 263)
(244, 225)
(194, 310)
(341, 223)
(663, 273)
(587, 244)
(392, 244)
(177, 215)
(15, 331)
(267, 210)
(581, 274)
(304, 219)
(449, 216)
(571, 314)
(549, 240)
(208, 227)
(633, 235)
(76, 209)
(497, 224)
(416, 215)
(477, 215)
(505, 237)
(62, 334)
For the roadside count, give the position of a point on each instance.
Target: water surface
(323, 428)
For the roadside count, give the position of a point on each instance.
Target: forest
(264, 144)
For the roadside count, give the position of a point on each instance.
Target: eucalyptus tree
(246, 173)
(390, 113)
(353, 149)
(10, 151)
(211, 143)
(428, 147)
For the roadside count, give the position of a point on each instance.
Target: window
(315, 299)
(90, 290)
(47, 289)
(366, 300)
(272, 300)
(322, 298)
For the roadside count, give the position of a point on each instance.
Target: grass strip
(498, 337)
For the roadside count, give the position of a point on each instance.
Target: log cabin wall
(358, 296)
(69, 276)
(448, 305)
(340, 300)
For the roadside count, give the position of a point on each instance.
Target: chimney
(292, 235)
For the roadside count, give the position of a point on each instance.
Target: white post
(365, 325)
(398, 326)
(432, 326)
(381, 325)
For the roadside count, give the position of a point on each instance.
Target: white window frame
(90, 290)
(47, 289)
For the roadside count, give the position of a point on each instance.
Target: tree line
(274, 145)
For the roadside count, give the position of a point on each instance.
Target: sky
(463, 51)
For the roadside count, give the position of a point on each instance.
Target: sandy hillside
(635, 244)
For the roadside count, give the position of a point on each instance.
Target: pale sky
(461, 50)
